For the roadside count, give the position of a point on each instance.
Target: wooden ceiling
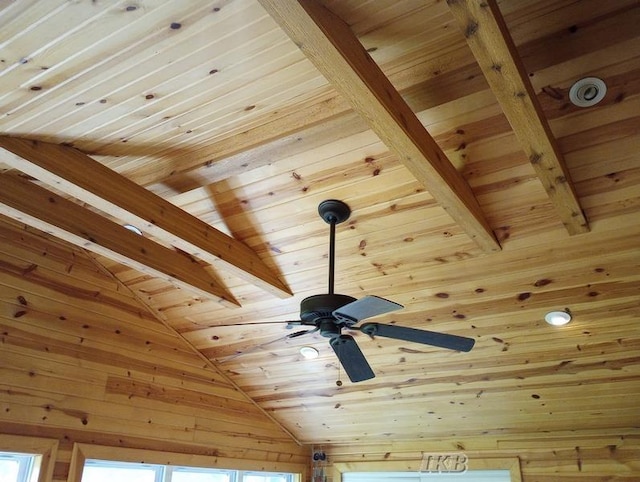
(481, 197)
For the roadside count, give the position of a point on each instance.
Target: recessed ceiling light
(587, 92)
(133, 229)
(309, 352)
(558, 318)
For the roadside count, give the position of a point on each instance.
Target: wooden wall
(561, 457)
(81, 360)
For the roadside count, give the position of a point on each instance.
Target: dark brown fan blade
(443, 340)
(351, 358)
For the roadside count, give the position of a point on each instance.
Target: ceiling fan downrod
(333, 212)
(318, 309)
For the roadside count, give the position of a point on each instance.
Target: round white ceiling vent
(587, 92)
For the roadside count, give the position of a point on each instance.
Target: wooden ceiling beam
(87, 180)
(37, 207)
(330, 44)
(489, 39)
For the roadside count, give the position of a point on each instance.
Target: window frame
(242, 473)
(44, 448)
(81, 452)
(512, 464)
(170, 469)
(26, 464)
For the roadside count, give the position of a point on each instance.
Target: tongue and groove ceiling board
(477, 209)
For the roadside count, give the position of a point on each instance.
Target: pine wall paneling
(82, 361)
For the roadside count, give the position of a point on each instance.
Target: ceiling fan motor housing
(318, 310)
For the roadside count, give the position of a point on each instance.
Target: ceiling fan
(330, 313)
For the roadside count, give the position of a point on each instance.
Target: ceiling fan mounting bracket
(333, 210)
(370, 329)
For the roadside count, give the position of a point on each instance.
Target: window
(108, 471)
(26, 459)
(18, 467)
(194, 474)
(103, 471)
(264, 477)
(101, 463)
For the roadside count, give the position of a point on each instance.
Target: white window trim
(82, 452)
(512, 464)
(164, 473)
(44, 447)
(170, 468)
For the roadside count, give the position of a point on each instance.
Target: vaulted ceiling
(481, 197)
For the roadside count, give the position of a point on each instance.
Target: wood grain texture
(329, 43)
(85, 368)
(561, 457)
(79, 176)
(489, 39)
(212, 108)
(44, 210)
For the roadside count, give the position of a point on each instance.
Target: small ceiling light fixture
(558, 318)
(133, 229)
(309, 352)
(587, 92)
